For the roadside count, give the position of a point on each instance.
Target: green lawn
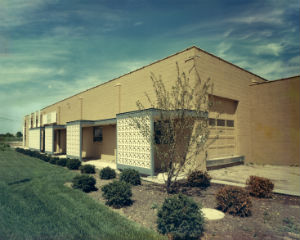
(34, 204)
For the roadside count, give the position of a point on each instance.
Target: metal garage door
(222, 124)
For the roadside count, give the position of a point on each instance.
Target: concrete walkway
(286, 179)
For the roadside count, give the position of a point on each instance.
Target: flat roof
(187, 49)
(276, 80)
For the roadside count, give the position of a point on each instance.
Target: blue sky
(51, 49)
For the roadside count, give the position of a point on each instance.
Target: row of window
(220, 122)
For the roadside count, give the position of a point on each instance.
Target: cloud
(222, 48)
(269, 49)
(16, 74)
(276, 69)
(271, 17)
(138, 23)
(18, 12)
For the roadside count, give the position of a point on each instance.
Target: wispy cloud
(270, 49)
(273, 17)
(18, 12)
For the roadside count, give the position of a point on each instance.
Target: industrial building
(257, 120)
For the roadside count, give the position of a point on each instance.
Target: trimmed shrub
(107, 173)
(260, 187)
(73, 164)
(45, 157)
(234, 200)
(62, 162)
(20, 150)
(117, 194)
(88, 168)
(130, 176)
(35, 154)
(84, 182)
(199, 179)
(181, 218)
(53, 160)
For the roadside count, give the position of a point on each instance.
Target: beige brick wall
(102, 102)
(233, 83)
(275, 122)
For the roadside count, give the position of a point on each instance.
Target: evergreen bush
(62, 162)
(107, 173)
(117, 194)
(88, 168)
(73, 164)
(84, 182)
(181, 218)
(53, 160)
(130, 176)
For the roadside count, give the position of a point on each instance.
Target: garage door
(222, 121)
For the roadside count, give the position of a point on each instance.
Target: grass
(5, 139)
(35, 204)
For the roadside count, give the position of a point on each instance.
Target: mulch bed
(277, 217)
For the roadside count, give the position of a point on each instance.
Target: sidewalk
(286, 179)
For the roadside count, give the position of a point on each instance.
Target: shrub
(259, 186)
(107, 173)
(20, 150)
(199, 179)
(35, 154)
(87, 168)
(73, 164)
(62, 162)
(45, 157)
(117, 194)
(84, 182)
(53, 160)
(181, 218)
(131, 176)
(234, 200)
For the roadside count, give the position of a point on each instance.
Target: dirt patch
(274, 218)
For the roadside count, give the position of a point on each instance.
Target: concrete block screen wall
(49, 139)
(74, 140)
(35, 139)
(134, 150)
(239, 112)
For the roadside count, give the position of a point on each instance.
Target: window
(160, 130)
(212, 122)
(98, 135)
(220, 122)
(230, 123)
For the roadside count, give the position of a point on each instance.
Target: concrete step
(224, 162)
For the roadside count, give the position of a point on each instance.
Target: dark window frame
(97, 134)
(212, 122)
(229, 123)
(221, 122)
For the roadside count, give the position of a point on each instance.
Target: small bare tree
(181, 123)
